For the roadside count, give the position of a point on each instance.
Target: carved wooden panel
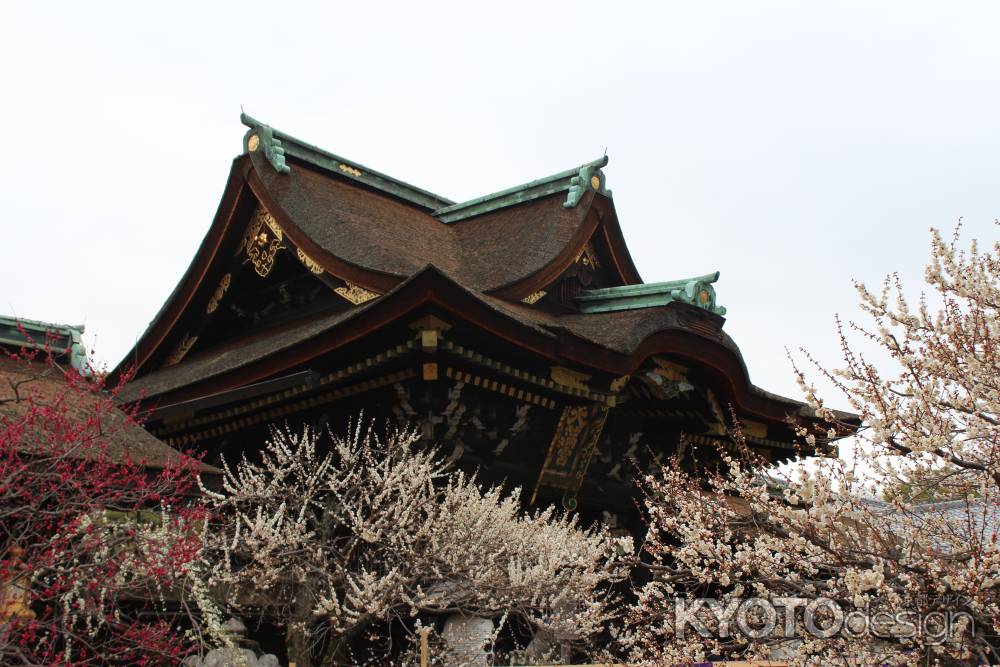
(572, 447)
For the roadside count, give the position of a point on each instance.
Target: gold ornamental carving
(15, 590)
(181, 350)
(220, 291)
(308, 262)
(347, 169)
(567, 436)
(534, 297)
(753, 429)
(355, 294)
(596, 416)
(263, 241)
(619, 383)
(573, 445)
(718, 426)
(569, 378)
(587, 256)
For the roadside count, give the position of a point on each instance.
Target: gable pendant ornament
(263, 241)
(588, 256)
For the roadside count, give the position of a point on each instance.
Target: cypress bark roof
(409, 248)
(44, 384)
(628, 338)
(382, 234)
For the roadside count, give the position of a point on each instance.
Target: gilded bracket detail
(619, 383)
(569, 378)
(355, 294)
(587, 256)
(220, 291)
(309, 262)
(181, 350)
(534, 297)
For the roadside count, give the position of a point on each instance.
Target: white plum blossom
(917, 533)
(350, 539)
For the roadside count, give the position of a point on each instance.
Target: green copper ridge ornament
(696, 291)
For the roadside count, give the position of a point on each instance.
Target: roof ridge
(926, 505)
(39, 324)
(276, 144)
(575, 182)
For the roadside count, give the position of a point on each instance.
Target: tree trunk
(299, 644)
(337, 651)
(299, 639)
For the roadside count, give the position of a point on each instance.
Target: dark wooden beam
(187, 409)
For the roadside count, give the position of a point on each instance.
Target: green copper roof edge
(697, 291)
(39, 325)
(645, 288)
(627, 303)
(38, 329)
(289, 145)
(541, 187)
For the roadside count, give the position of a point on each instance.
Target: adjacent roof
(44, 383)
(945, 523)
(966, 520)
(61, 340)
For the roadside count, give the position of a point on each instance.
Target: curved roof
(382, 234)
(373, 231)
(615, 343)
(476, 259)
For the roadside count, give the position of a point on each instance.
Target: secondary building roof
(43, 380)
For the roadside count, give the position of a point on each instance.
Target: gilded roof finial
(589, 177)
(261, 136)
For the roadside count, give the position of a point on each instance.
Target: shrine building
(513, 329)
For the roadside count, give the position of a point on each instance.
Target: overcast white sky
(793, 146)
